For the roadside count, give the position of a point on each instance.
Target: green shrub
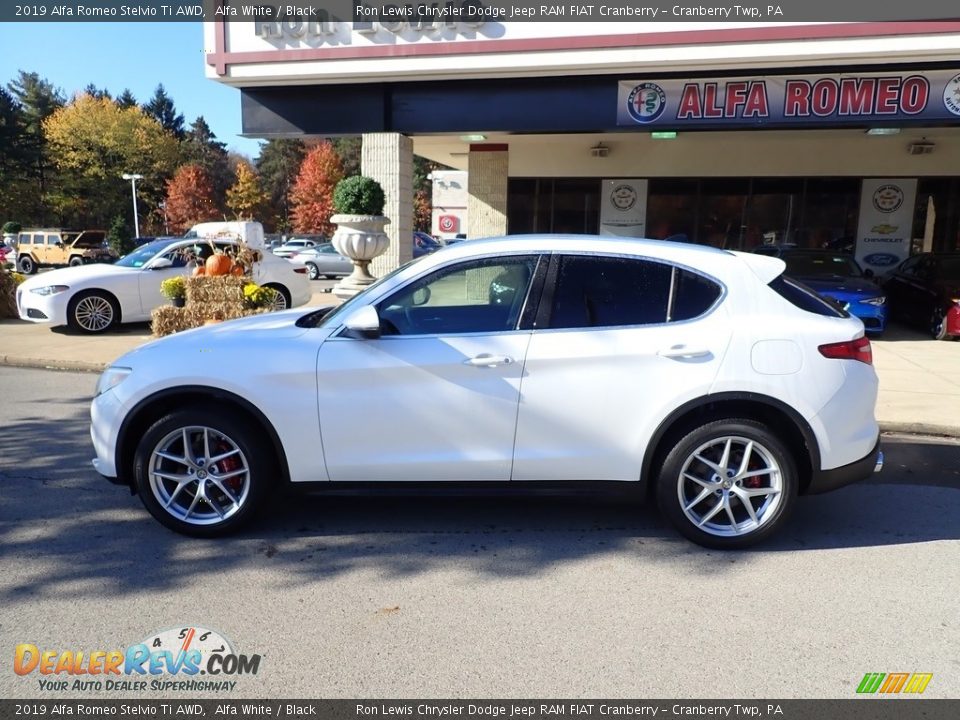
(11, 228)
(358, 195)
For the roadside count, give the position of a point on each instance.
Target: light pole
(133, 177)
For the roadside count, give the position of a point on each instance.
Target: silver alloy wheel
(730, 486)
(199, 475)
(279, 301)
(313, 270)
(93, 313)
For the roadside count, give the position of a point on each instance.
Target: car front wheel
(76, 261)
(93, 312)
(938, 325)
(201, 472)
(728, 484)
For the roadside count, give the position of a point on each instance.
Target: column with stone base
(388, 159)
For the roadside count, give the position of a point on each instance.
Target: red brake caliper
(228, 465)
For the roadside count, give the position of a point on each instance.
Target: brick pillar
(388, 159)
(486, 208)
(487, 191)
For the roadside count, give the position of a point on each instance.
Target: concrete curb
(76, 365)
(905, 428)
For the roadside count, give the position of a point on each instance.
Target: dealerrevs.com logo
(169, 660)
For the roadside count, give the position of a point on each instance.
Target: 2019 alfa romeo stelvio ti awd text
(703, 378)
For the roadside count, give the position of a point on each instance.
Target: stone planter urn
(360, 238)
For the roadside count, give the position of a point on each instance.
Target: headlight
(112, 377)
(50, 289)
(876, 301)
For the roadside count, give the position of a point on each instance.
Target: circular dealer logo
(887, 198)
(447, 223)
(623, 197)
(951, 95)
(646, 102)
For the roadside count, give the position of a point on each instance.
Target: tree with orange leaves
(190, 199)
(311, 197)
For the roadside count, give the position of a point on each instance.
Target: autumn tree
(94, 142)
(311, 198)
(246, 198)
(278, 165)
(190, 199)
(422, 211)
(201, 147)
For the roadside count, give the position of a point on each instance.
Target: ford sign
(881, 259)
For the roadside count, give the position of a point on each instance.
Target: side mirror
(363, 324)
(161, 263)
(421, 296)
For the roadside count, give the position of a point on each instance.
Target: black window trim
(546, 302)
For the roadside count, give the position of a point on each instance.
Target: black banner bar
(892, 708)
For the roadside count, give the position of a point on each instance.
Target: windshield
(143, 254)
(821, 265)
(358, 300)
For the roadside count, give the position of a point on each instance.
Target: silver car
(291, 247)
(323, 260)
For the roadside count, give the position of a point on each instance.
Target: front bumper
(874, 318)
(822, 481)
(42, 308)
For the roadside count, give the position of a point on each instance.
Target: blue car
(836, 275)
(424, 244)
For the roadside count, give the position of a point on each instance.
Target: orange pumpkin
(199, 270)
(237, 270)
(219, 264)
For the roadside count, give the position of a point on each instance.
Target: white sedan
(701, 377)
(95, 298)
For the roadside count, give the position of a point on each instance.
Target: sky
(138, 56)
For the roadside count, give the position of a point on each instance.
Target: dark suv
(925, 290)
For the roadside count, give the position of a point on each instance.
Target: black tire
(709, 441)
(284, 292)
(331, 277)
(83, 308)
(26, 264)
(938, 325)
(313, 272)
(253, 451)
(76, 261)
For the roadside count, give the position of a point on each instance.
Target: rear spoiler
(766, 268)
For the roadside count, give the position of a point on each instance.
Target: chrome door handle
(488, 360)
(682, 351)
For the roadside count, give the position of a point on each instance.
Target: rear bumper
(823, 481)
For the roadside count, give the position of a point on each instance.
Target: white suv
(702, 377)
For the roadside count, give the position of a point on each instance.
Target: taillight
(858, 349)
(300, 270)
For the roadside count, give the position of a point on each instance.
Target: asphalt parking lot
(481, 597)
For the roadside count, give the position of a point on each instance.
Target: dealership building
(721, 133)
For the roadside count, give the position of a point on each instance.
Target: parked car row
(322, 259)
(923, 290)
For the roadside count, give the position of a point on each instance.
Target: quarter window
(479, 296)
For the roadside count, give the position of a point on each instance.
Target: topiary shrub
(11, 228)
(358, 195)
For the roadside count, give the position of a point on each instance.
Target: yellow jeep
(57, 247)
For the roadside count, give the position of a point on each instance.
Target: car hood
(256, 335)
(80, 273)
(850, 287)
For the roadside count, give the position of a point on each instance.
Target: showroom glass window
(484, 295)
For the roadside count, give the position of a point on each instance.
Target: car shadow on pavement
(137, 328)
(63, 529)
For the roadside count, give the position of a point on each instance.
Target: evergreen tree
(126, 99)
(38, 99)
(161, 107)
(278, 165)
(201, 147)
(95, 92)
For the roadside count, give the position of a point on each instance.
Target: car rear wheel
(938, 325)
(93, 312)
(313, 272)
(728, 484)
(281, 299)
(202, 472)
(27, 265)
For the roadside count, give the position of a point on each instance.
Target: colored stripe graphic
(870, 682)
(918, 683)
(894, 682)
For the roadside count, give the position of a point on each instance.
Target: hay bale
(218, 289)
(167, 320)
(8, 293)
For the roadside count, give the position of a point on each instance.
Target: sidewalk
(919, 377)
